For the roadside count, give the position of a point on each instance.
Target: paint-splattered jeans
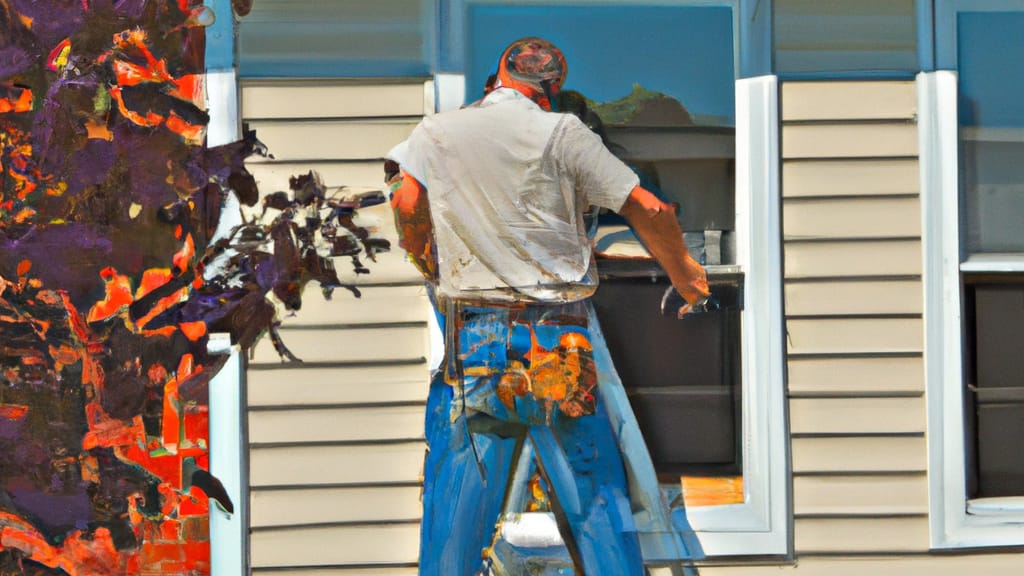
(522, 376)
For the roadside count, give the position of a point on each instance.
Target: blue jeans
(518, 375)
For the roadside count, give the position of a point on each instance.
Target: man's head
(534, 67)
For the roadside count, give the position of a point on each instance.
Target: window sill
(994, 262)
(996, 506)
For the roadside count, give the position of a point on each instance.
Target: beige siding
(334, 571)
(336, 424)
(273, 175)
(840, 140)
(327, 98)
(336, 545)
(860, 495)
(856, 415)
(367, 463)
(336, 449)
(332, 504)
(839, 456)
(878, 534)
(862, 335)
(852, 218)
(839, 258)
(851, 177)
(862, 297)
(916, 565)
(848, 101)
(854, 325)
(856, 376)
(291, 385)
(400, 342)
(314, 140)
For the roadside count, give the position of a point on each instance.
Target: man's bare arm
(412, 217)
(655, 223)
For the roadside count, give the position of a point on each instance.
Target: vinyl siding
(854, 303)
(888, 565)
(336, 441)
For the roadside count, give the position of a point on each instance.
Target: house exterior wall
(335, 442)
(336, 447)
(854, 316)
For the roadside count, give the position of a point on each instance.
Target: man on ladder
(489, 204)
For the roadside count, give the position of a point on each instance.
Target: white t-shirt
(507, 184)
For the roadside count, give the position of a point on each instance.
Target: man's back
(507, 184)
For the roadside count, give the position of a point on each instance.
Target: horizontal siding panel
(849, 140)
(349, 464)
(850, 177)
(333, 139)
(818, 495)
(333, 545)
(327, 99)
(855, 375)
(854, 335)
(856, 415)
(864, 454)
(839, 259)
(336, 424)
(848, 100)
(917, 565)
(273, 175)
(812, 535)
(851, 218)
(868, 297)
(346, 345)
(392, 267)
(375, 304)
(334, 505)
(339, 571)
(320, 386)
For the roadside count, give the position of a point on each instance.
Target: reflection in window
(991, 115)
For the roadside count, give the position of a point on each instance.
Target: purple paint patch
(52, 21)
(55, 510)
(10, 429)
(13, 60)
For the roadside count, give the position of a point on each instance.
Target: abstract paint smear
(111, 282)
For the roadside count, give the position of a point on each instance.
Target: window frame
(762, 525)
(955, 521)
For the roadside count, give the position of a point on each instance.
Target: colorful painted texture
(111, 280)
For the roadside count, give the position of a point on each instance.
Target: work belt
(520, 361)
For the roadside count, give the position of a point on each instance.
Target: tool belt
(520, 361)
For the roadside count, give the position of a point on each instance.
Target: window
(972, 132)
(339, 38)
(693, 52)
(863, 38)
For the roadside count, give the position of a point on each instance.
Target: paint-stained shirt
(508, 183)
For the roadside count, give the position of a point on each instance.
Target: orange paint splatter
(193, 330)
(13, 412)
(23, 103)
(118, 294)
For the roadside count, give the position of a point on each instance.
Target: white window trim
(951, 524)
(760, 525)
(229, 540)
